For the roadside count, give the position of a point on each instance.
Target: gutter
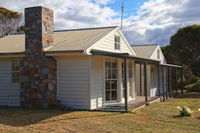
(171, 65)
(124, 55)
(64, 53)
(11, 55)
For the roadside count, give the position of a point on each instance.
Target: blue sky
(145, 21)
(130, 6)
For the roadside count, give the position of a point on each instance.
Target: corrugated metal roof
(12, 44)
(144, 51)
(68, 40)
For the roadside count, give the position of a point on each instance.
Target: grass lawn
(156, 118)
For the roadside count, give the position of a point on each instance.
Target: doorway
(111, 80)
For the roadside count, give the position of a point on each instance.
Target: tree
(9, 21)
(21, 28)
(184, 49)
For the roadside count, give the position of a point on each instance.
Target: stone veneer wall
(38, 72)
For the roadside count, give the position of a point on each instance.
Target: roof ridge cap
(86, 29)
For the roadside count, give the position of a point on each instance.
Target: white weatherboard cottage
(90, 68)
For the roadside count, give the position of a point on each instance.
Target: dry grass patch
(156, 118)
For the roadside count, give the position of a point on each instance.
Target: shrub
(185, 111)
(194, 87)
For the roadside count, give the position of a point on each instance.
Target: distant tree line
(184, 49)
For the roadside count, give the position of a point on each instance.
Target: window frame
(111, 65)
(117, 42)
(15, 71)
(158, 54)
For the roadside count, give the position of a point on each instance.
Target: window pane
(108, 65)
(15, 71)
(108, 94)
(17, 77)
(13, 66)
(114, 84)
(117, 42)
(115, 45)
(108, 86)
(114, 64)
(158, 54)
(114, 73)
(106, 74)
(118, 46)
(17, 68)
(109, 73)
(114, 95)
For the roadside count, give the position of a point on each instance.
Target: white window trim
(117, 41)
(15, 64)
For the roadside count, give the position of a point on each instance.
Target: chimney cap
(36, 7)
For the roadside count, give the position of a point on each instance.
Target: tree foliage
(184, 49)
(21, 28)
(9, 21)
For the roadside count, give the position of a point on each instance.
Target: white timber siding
(148, 80)
(163, 82)
(97, 83)
(154, 81)
(73, 81)
(107, 43)
(9, 92)
(138, 78)
(155, 55)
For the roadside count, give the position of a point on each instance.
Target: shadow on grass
(18, 117)
(179, 116)
(74, 118)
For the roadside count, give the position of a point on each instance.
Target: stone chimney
(38, 72)
(39, 29)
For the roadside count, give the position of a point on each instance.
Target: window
(15, 71)
(117, 42)
(158, 54)
(111, 71)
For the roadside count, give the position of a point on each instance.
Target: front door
(111, 80)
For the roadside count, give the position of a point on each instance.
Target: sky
(145, 21)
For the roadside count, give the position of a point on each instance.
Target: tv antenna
(122, 13)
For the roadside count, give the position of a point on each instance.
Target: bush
(185, 111)
(194, 87)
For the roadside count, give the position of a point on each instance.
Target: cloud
(104, 2)
(155, 21)
(72, 13)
